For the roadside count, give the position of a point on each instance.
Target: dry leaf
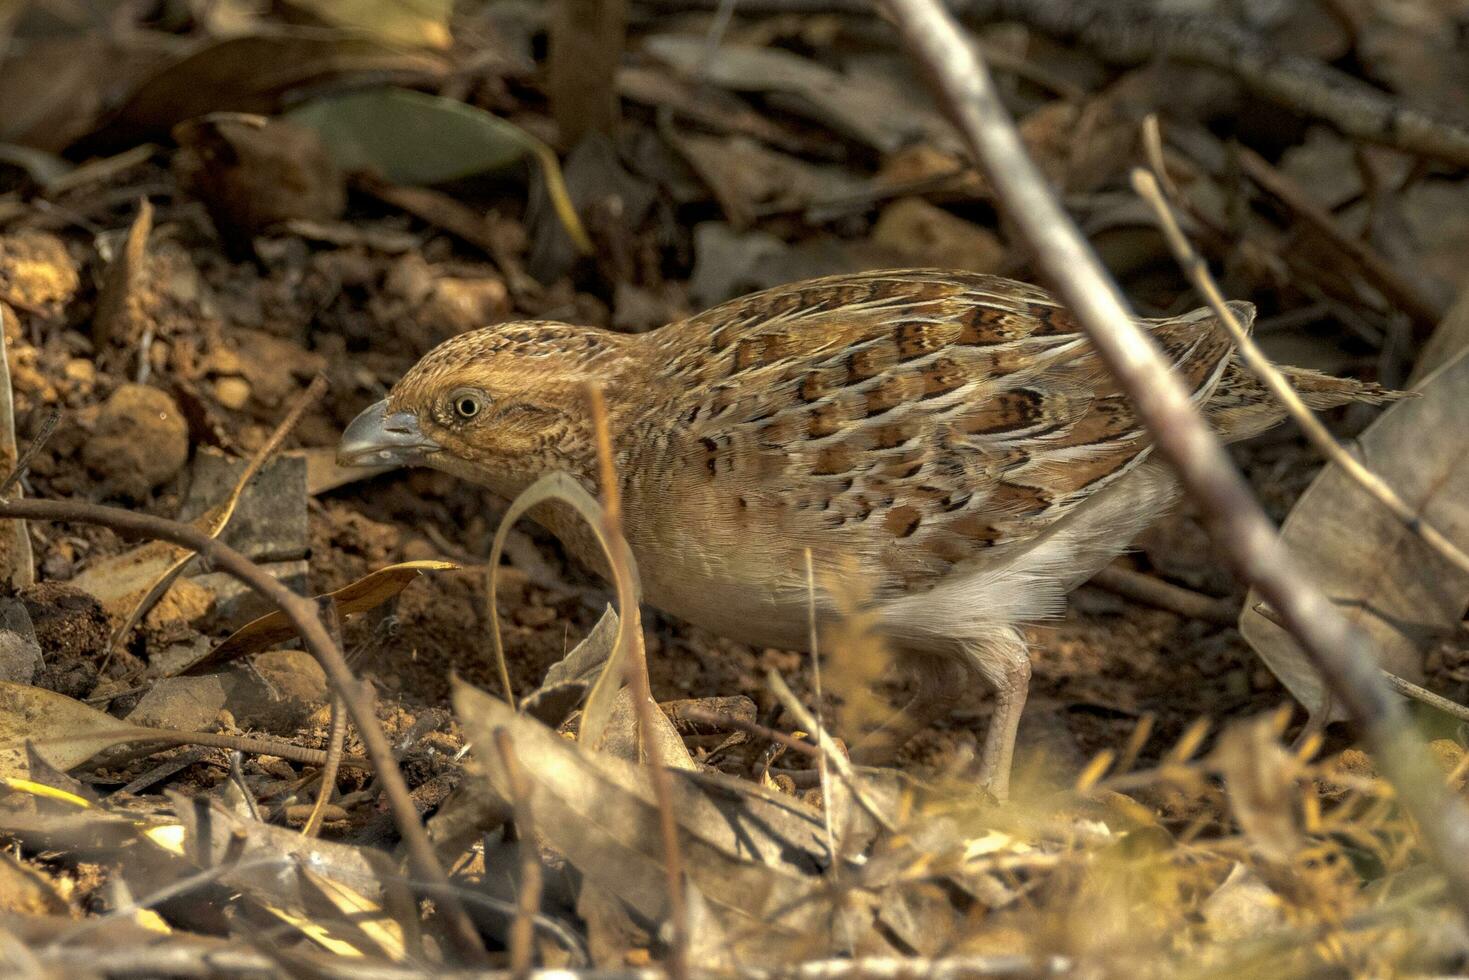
(1381, 577)
(65, 732)
(755, 857)
(368, 592)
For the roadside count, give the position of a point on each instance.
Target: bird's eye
(467, 404)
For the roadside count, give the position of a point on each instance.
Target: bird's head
(500, 406)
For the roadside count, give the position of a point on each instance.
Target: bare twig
(1400, 684)
(587, 38)
(529, 900)
(1197, 271)
(163, 738)
(1240, 528)
(813, 635)
(752, 728)
(636, 667)
(237, 776)
(1133, 585)
(301, 611)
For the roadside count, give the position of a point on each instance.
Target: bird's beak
(377, 438)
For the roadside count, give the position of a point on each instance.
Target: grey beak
(376, 438)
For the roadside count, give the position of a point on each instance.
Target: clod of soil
(70, 628)
(141, 441)
(37, 270)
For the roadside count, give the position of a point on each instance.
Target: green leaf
(408, 137)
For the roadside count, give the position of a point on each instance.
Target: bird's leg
(1005, 663)
(941, 683)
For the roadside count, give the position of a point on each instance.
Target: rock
(278, 691)
(459, 304)
(275, 368)
(187, 703)
(72, 630)
(140, 441)
(185, 602)
(232, 393)
(20, 654)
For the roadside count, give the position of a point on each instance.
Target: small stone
(232, 393)
(70, 624)
(419, 549)
(188, 703)
(20, 654)
(140, 441)
(454, 306)
(185, 602)
(278, 691)
(80, 371)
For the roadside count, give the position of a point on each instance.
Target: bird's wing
(921, 417)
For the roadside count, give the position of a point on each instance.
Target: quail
(954, 436)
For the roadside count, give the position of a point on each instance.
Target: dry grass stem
(337, 733)
(813, 638)
(635, 666)
(829, 750)
(23, 463)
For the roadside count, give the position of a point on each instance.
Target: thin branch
(1240, 528)
(752, 728)
(813, 635)
(636, 668)
(1400, 684)
(301, 611)
(1197, 271)
(1123, 581)
(1398, 290)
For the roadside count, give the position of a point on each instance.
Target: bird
(953, 435)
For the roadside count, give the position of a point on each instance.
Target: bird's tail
(1242, 406)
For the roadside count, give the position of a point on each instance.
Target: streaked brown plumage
(953, 433)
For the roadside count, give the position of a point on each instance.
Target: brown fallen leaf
(65, 732)
(754, 860)
(1379, 575)
(368, 592)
